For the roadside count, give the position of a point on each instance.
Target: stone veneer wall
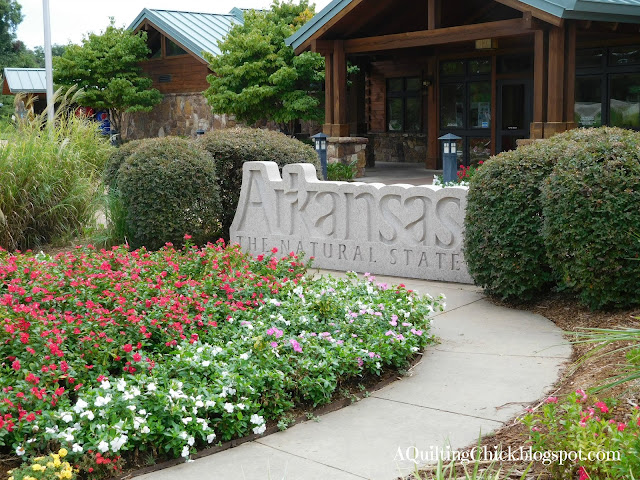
(348, 150)
(397, 147)
(177, 114)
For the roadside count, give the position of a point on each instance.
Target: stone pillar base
(348, 150)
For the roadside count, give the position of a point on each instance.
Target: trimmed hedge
(169, 188)
(117, 158)
(232, 147)
(591, 205)
(504, 248)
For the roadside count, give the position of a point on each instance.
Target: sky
(70, 19)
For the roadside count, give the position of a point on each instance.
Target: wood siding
(188, 74)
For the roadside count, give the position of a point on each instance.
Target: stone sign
(402, 230)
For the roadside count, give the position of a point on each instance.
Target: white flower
(210, 403)
(142, 412)
(211, 437)
(88, 414)
(206, 363)
(102, 401)
(131, 407)
(259, 430)
(199, 404)
(127, 396)
(67, 417)
(135, 391)
(244, 356)
(51, 431)
(122, 383)
(228, 407)
(80, 405)
(187, 420)
(118, 442)
(76, 448)
(183, 435)
(103, 446)
(185, 451)
(257, 419)
(241, 406)
(151, 387)
(191, 441)
(145, 429)
(20, 450)
(105, 385)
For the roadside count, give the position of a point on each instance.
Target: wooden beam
(339, 87)
(539, 74)
(463, 33)
(432, 115)
(536, 12)
(323, 47)
(555, 103)
(433, 14)
(570, 76)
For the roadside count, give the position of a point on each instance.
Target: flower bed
(111, 353)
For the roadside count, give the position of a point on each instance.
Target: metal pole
(48, 62)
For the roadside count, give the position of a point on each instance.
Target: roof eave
(305, 32)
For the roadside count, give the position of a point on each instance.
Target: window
(404, 104)
(173, 49)
(608, 87)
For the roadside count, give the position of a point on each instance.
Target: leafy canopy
(258, 77)
(107, 68)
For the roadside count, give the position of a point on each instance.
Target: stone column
(348, 150)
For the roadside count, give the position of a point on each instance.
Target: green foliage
(107, 68)
(580, 424)
(169, 188)
(340, 172)
(49, 180)
(232, 147)
(504, 248)
(590, 206)
(258, 77)
(10, 18)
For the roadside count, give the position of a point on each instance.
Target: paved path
(492, 361)
(391, 173)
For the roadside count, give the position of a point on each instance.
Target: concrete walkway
(391, 173)
(492, 362)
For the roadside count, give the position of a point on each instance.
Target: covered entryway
(492, 72)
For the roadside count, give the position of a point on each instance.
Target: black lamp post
(449, 157)
(321, 148)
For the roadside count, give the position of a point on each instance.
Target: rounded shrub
(503, 246)
(591, 205)
(232, 147)
(117, 158)
(168, 189)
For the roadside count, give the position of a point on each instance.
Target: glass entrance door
(515, 105)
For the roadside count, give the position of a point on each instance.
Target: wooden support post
(570, 76)
(340, 125)
(555, 105)
(539, 84)
(328, 94)
(433, 14)
(432, 115)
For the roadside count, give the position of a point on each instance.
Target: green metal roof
(26, 80)
(626, 11)
(197, 32)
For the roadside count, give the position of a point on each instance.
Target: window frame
(404, 94)
(605, 71)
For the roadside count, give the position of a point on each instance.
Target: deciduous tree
(258, 77)
(107, 68)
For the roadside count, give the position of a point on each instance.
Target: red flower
(16, 365)
(137, 357)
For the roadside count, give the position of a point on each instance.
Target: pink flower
(583, 474)
(603, 407)
(137, 357)
(621, 426)
(551, 400)
(127, 347)
(274, 344)
(582, 394)
(360, 362)
(187, 236)
(296, 346)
